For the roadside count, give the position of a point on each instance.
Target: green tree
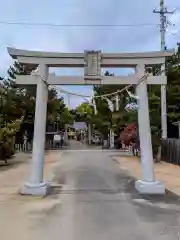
(173, 86)
(19, 101)
(103, 119)
(84, 113)
(118, 119)
(173, 94)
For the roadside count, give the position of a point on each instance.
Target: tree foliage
(18, 102)
(173, 94)
(154, 94)
(107, 119)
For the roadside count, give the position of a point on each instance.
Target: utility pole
(163, 21)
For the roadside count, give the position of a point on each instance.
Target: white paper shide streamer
(132, 95)
(94, 105)
(117, 102)
(132, 106)
(110, 104)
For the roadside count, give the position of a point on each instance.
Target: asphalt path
(98, 201)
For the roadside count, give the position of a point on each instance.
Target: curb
(136, 178)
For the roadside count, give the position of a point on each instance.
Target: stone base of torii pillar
(40, 189)
(149, 187)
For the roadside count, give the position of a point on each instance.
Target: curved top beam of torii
(15, 53)
(55, 59)
(74, 60)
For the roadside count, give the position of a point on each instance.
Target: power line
(78, 25)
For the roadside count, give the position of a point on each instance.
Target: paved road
(98, 201)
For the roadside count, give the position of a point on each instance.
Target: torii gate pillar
(36, 185)
(148, 184)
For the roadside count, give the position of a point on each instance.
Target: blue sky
(78, 39)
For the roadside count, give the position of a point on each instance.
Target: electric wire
(77, 25)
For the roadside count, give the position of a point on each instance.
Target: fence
(23, 147)
(170, 151)
(27, 146)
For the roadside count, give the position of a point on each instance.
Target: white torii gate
(92, 61)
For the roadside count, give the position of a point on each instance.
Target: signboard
(57, 138)
(92, 63)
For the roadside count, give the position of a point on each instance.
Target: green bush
(6, 151)
(9, 150)
(7, 138)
